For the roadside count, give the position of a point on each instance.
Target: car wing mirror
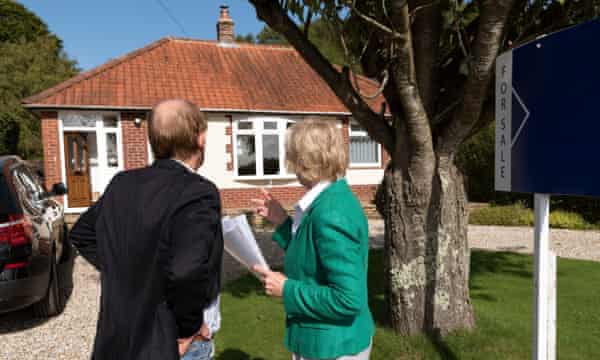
(58, 189)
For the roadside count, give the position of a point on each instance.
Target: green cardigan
(325, 296)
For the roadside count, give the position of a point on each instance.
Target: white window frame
(100, 132)
(362, 133)
(258, 131)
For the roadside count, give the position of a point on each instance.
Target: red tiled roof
(217, 78)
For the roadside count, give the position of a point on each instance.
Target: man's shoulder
(128, 176)
(198, 186)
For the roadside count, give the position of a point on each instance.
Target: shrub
(568, 220)
(519, 215)
(510, 215)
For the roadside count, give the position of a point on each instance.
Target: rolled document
(240, 242)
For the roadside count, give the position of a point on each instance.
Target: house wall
(52, 150)
(218, 165)
(237, 193)
(135, 140)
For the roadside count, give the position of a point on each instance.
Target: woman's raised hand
(270, 208)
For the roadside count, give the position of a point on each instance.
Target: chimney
(225, 33)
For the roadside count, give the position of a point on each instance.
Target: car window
(8, 203)
(27, 189)
(34, 180)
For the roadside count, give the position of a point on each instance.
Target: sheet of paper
(240, 242)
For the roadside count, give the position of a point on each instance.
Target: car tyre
(68, 250)
(54, 301)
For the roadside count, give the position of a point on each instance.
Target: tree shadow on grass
(483, 261)
(244, 286)
(376, 287)
(442, 347)
(235, 354)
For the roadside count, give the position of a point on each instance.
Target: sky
(95, 31)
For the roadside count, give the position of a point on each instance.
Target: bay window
(364, 151)
(259, 147)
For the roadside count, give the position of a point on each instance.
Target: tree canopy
(434, 61)
(32, 60)
(320, 33)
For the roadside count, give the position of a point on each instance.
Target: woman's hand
(273, 281)
(270, 208)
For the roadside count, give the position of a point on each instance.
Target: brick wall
(135, 143)
(288, 195)
(52, 150)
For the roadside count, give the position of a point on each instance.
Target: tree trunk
(427, 255)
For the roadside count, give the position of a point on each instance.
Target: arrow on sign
(527, 113)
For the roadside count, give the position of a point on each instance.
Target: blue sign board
(548, 114)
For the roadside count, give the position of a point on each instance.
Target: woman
(324, 288)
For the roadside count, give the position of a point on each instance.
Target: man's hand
(204, 333)
(270, 208)
(184, 345)
(273, 281)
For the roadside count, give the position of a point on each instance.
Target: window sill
(365, 166)
(264, 177)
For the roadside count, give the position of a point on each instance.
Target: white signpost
(544, 317)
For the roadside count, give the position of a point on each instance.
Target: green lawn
(501, 291)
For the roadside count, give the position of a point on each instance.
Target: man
(155, 236)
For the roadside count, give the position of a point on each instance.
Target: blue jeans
(199, 350)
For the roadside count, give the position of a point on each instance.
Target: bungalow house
(94, 126)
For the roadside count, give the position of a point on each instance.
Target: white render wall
(216, 159)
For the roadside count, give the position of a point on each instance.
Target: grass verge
(501, 292)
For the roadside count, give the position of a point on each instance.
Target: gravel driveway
(70, 335)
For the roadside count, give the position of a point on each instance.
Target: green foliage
(270, 37)
(248, 38)
(476, 160)
(501, 293)
(19, 24)
(33, 60)
(509, 215)
(568, 220)
(327, 41)
(519, 215)
(324, 38)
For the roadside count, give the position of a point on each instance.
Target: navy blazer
(155, 236)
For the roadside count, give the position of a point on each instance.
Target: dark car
(34, 247)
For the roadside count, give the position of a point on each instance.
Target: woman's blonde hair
(315, 150)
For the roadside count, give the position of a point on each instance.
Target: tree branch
(426, 30)
(307, 23)
(277, 18)
(415, 9)
(492, 25)
(375, 23)
(486, 117)
(404, 79)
